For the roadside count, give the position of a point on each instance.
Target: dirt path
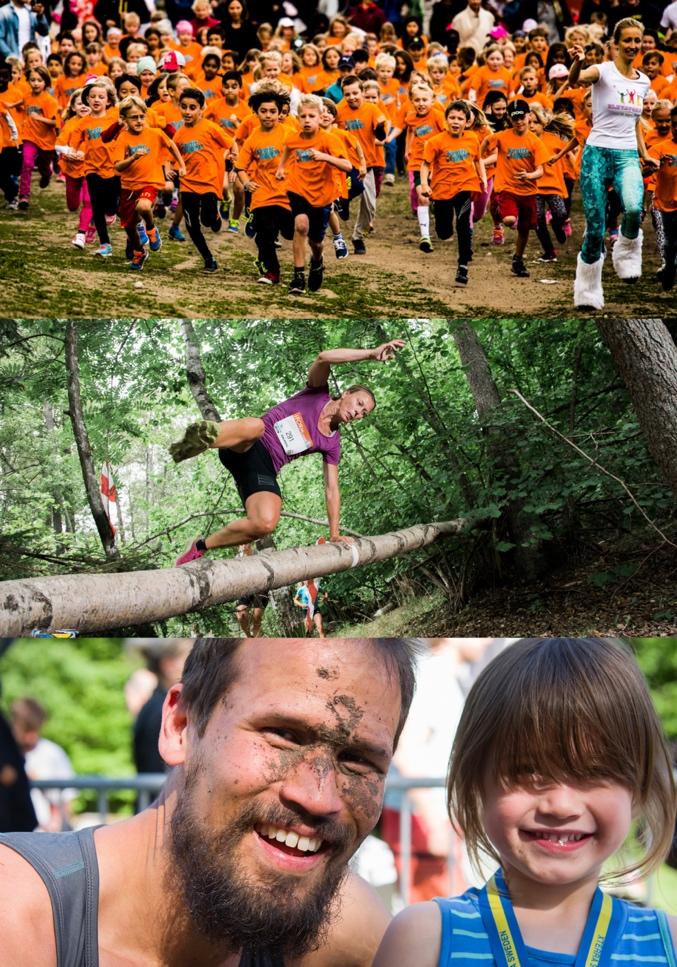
(44, 276)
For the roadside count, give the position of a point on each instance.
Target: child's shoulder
(413, 938)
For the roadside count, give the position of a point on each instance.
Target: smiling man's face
(282, 787)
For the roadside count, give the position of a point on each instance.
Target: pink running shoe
(567, 228)
(90, 234)
(192, 554)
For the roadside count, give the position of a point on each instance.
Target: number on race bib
(293, 434)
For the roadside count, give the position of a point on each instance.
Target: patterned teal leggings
(602, 168)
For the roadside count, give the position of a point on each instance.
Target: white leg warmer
(588, 284)
(627, 257)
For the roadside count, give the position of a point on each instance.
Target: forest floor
(597, 596)
(43, 276)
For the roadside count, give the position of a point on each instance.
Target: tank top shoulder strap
(67, 865)
(666, 937)
(462, 931)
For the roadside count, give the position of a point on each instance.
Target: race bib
(293, 434)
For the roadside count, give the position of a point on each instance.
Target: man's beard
(265, 920)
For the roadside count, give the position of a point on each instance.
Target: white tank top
(616, 105)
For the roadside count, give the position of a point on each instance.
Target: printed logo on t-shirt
(422, 130)
(629, 101)
(353, 124)
(293, 434)
(669, 161)
(458, 154)
(191, 147)
(139, 149)
(497, 83)
(267, 152)
(94, 133)
(519, 153)
(304, 154)
(229, 123)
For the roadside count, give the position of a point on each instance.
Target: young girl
(558, 751)
(73, 166)
(38, 132)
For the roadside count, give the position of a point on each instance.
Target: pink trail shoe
(192, 554)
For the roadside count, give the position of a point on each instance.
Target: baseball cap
(172, 61)
(184, 27)
(558, 70)
(146, 64)
(346, 63)
(518, 108)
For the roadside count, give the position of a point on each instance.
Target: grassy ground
(42, 275)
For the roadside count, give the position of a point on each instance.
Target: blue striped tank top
(645, 940)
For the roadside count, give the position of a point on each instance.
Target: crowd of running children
(170, 126)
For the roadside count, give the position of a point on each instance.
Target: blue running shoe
(138, 260)
(143, 234)
(154, 239)
(176, 234)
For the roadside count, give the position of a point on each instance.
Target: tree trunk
(646, 359)
(196, 374)
(487, 399)
(82, 442)
(98, 602)
(55, 516)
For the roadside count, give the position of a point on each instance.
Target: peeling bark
(196, 374)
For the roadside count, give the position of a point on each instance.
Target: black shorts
(253, 600)
(318, 218)
(252, 471)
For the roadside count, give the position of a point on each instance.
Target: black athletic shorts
(252, 471)
(318, 218)
(254, 600)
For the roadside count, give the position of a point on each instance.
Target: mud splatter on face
(328, 674)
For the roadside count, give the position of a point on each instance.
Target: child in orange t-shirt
(311, 154)
(424, 122)
(74, 76)
(202, 145)
(451, 172)
(389, 87)
(554, 131)
(665, 200)
(348, 186)
(519, 156)
(256, 167)
(492, 76)
(141, 176)
(229, 111)
(72, 165)
(38, 132)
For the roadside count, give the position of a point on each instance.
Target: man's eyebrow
(356, 743)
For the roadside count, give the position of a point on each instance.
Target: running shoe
(154, 239)
(176, 234)
(269, 278)
(13, 204)
(340, 247)
(462, 275)
(224, 209)
(217, 225)
(234, 226)
(315, 275)
(547, 257)
(425, 244)
(22, 205)
(518, 267)
(105, 251)
(567, 228)
(90, 234)
(79, 240)
(359, 248)
(613, 235)
(297, 286)
(249, 229)
(389, 180)
(498, 236)
(45, 179)
(110, 220)
(211, 267)
(197, 438)
(192, 554)
(138, 259)
(143, 234)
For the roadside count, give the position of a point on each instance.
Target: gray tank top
(67, 864)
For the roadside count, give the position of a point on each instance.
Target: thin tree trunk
(196, 374)
(646, 359)
(56, 518)
(98, 602)
(77, 418)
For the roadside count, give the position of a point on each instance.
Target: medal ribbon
(604, 925)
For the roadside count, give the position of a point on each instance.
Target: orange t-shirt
(485, 80)
(452, 164)
(326, 79)
(202, 147)
(665, 195)
(537, 98)
(40, 134)
(421, 127)
(313, 180)
(552, 180)
(147, 172)
(225, 115)
(260, 157)
(9, 135)
(516, 154)
(390, 97)
(311, 78)
(362, 122)
(11, 97)
(87, 137)
(65, 86)
(211, 89)
(73, 167)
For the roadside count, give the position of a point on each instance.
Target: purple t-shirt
(292, 431)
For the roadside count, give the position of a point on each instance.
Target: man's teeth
(306, 844)
(561, 838)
